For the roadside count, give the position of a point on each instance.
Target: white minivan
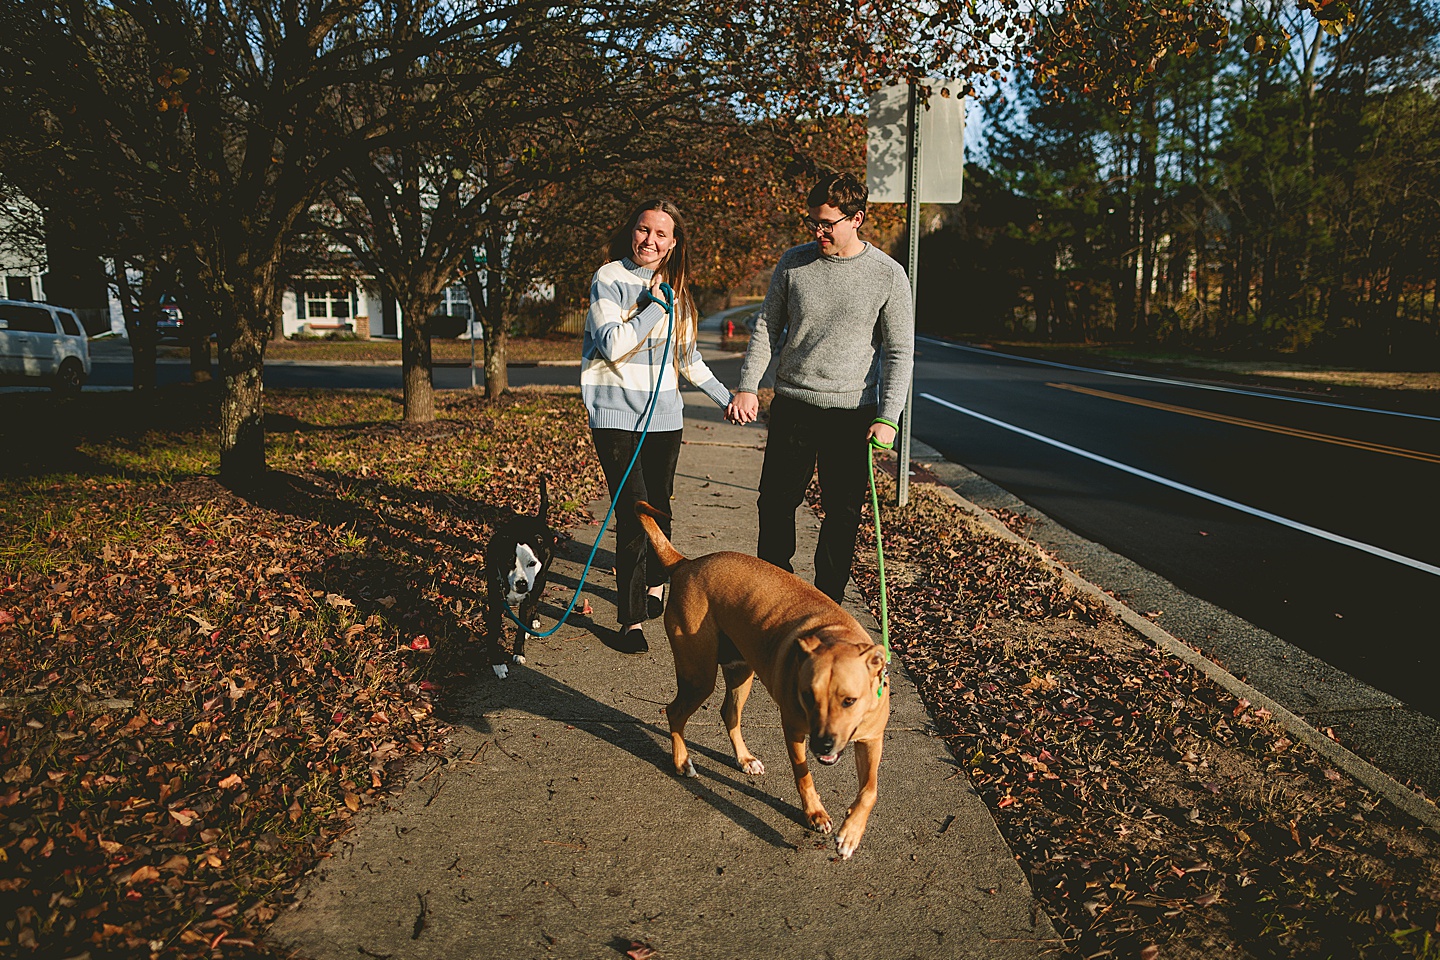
(42, 342)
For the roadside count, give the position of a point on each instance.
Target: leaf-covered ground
(1155, 814)
(517, 350)
(197, 691)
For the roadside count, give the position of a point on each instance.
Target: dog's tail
(669, 557)
(544, 512)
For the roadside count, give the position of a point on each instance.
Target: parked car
(42, 343)
(171, 322)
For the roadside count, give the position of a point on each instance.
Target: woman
(624, 356)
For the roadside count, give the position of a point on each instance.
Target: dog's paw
(753, 767)
(517, 659)
(535, 624)
(689, 770)
(848, 841)
(501, 671)
(821, 821)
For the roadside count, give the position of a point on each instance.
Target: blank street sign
(942, 145)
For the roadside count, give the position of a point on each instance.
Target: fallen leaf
(145, 874)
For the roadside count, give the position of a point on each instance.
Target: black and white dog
(517, 563)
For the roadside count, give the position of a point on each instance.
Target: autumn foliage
(200, 691)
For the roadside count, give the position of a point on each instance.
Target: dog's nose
(521, 586)
(824, 746)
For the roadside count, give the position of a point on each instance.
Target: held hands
(882, 435)
(744, 408)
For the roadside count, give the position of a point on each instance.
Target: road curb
(1401, 796)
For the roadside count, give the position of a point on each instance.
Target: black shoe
(630, 641)
(654, 606)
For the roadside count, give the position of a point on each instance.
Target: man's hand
(744, 408)
(883, 433)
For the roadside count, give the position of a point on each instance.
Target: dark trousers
(652, 480)
(801, 438)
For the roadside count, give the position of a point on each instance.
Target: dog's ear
(809, 643)
(876, 660)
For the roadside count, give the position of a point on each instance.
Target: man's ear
(861, 222)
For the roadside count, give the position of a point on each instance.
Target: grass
(559, 347)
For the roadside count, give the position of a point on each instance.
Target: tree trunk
(1148, 233)
(242, 412)
(415, 358)
(139, 329)
(243, 305)
(497, 374)
(497, 378)
(199, 334)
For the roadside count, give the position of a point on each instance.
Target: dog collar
(884, 682)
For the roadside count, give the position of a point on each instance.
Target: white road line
(1195, 492)
(1177, 383)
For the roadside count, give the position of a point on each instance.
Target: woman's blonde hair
(675, 269)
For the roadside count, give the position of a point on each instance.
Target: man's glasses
(825, 226)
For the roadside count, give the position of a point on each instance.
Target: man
(838, 312)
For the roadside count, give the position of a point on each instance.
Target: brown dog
(751, 618)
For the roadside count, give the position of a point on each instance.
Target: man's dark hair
(844, 191)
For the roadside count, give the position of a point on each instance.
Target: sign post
(915, 154)
(912, 266)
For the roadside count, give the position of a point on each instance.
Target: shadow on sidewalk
(575, 717)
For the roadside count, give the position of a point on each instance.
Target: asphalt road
(1314, 521)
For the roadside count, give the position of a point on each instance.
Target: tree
(228, 120)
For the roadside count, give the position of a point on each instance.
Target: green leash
(879, 547)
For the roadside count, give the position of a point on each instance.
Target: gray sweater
(843, 327)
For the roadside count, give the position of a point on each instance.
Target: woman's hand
(744, 408)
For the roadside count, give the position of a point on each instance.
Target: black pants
(801, 437)
(652, 480)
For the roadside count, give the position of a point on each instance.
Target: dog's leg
(527, 615)
(809, 799)
(694, 689)
(494, 626)
(867, 769)
(739, 678)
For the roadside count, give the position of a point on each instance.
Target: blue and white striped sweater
(616, 394)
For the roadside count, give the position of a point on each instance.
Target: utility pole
(912, 267)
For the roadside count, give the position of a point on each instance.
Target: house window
(332, 303)
(19, 288)
(456, 303)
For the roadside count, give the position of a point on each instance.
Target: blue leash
(669, 304)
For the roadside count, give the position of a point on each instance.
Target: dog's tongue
(828, 758)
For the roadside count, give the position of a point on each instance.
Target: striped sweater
(616, 394)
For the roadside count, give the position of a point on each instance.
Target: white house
(323, 305)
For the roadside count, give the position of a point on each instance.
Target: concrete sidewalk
(562, 832)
